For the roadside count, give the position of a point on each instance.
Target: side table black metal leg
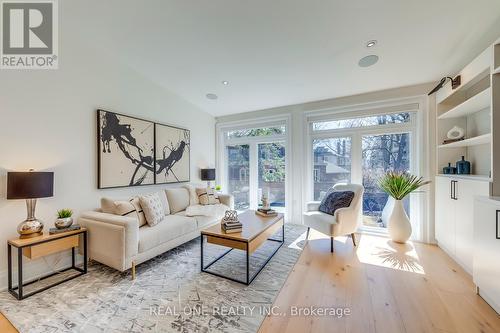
(85, 254)
(201, 244)
(72, 257)
(9, 263)
(20, 273)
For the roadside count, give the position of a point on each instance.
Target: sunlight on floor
(383, 252)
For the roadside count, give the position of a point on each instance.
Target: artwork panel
(172, 154)
(126, 148)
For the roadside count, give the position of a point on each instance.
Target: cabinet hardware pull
(497, 228)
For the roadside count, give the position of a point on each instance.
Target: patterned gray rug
(170, 294)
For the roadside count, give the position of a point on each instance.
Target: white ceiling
(282, 52)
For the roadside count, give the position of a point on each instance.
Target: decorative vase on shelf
(449, 170)
(463, 167)
(399, 225)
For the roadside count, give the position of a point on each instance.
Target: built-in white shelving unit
(475, 107)
(472, 105)
(474, 141)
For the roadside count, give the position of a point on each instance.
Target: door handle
(496, 227)
(451, 189)
(454, 189)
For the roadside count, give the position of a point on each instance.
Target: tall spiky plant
(399, 184)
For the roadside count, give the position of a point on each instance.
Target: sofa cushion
(217, 210)
(193, 197)
(153, 208)
(171, 227)
(202, 221)
(163, 198)
(207, 196)
(123, 208)
(178, 199)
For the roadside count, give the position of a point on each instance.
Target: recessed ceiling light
(371, 43)
(212, 96)
(225, 82)
(368, 61)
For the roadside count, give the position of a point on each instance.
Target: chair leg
(133, 270)
(331, 244)
(307, 234)
(353, 239)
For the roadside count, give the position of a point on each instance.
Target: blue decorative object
(463, 167)
(449, 170)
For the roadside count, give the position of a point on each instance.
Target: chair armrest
(312, 206)
(113, 239)
(227, 199)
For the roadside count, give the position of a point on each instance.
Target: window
(254, 165)
(361, 150)
(385, 119)
(333, 164)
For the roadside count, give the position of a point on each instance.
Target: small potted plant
(64, 218)
(398, 185)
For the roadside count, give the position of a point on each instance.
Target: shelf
(497, 70)
(474, 104)
(474, 141)
(471, 177)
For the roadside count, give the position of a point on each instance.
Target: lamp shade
(208, 174)
(30, 185)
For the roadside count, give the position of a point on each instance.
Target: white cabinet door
(465, 192)
(445, 215)
(486, 271)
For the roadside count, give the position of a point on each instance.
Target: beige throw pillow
(129, 208)
(207, 196)
(153, 208)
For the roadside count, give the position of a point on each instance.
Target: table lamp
(208, 175)
(30, 186)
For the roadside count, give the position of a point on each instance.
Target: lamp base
(30, 228)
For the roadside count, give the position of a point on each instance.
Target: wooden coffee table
(256, 230)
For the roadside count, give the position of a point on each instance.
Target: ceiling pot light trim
(368, 61)
(371, 43)
(212, 96)
(225, 82)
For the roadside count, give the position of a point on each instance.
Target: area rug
(170, 294)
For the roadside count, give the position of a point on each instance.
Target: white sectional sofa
(120, 242)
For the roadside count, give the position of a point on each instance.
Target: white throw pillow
(193, 198)
(163, 198)
(130, 208)
(153, 208)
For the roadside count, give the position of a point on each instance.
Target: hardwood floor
(388, 287)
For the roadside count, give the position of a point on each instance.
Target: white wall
(298, 169)
(48, 122)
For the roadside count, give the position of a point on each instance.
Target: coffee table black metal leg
(248, 265)
(20, 273)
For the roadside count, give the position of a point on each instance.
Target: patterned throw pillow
(335, 200)
(130, 208)
(207, 196)
(153, 208)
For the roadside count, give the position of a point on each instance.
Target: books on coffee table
(266, 212)
(232, 227)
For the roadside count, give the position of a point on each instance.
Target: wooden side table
(40, 246)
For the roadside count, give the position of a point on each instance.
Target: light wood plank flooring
(388, 287)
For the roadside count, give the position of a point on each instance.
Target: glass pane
(238, 175)
(382, 153)
(397, 118)
(263, 131)
(331, 165)
(272, 172)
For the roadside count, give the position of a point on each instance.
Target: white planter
(399, 225)
(387, 211)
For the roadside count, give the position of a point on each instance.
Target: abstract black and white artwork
(172, 154)
(126, 150)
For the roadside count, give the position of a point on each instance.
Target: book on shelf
(73, 227)
(446, 141)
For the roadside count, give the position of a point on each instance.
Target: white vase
(399, 224)
(387, 211)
